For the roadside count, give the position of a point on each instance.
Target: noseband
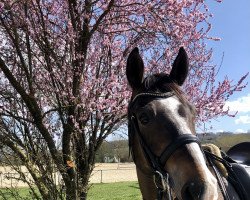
(158, 162)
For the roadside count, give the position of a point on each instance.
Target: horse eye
(143, 118)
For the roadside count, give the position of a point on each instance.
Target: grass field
(100, 191)
(225, 141)
(115, 191)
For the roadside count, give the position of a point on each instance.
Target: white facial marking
(209, 178)
(171, 105)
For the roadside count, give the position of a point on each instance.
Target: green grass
(115, 191)
(100, 191)
(15, 194)
(227, 141)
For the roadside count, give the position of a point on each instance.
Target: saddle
(234, 172)
(239, 178)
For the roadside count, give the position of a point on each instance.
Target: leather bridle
(157, 163)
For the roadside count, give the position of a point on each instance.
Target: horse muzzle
(199, 190)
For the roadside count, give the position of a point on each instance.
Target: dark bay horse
(162, 136)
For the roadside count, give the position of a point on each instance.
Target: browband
(160, 95)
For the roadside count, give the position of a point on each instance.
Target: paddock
(103, 173)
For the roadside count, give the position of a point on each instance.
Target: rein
(226, 161)
(158, 162)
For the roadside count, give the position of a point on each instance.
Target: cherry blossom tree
(63, 88)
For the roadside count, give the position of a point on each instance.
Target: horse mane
(156, 83)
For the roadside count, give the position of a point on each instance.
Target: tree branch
(98, 21)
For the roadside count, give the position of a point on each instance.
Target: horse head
(162, 129)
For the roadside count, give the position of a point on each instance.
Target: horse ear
(135, 69)
(179, 70)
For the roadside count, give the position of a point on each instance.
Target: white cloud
(240, 131)
(242, 104)
(243, 119)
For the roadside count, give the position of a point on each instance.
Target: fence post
(10, 179)
(101, 176)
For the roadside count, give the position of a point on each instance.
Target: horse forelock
(161, 83)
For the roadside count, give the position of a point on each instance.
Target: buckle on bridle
(163, 180)
(164, 186)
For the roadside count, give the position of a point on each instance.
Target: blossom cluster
(74, 55)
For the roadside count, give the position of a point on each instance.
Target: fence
(103, 173)
(13, 179)
(113, 175)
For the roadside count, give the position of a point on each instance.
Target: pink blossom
(69, 69)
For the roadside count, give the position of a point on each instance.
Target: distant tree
(63, 88)
(115, 148)
(105, 150)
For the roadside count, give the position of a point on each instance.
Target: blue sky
(231, 24)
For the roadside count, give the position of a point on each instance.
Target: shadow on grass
(133, 186)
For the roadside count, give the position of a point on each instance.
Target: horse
(170, 162)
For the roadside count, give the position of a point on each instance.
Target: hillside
(119, 148)
(225, 140)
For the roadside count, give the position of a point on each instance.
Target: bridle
(157, 163)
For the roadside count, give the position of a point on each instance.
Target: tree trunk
(84, 185)
(83, 196)
(83, 181)
(71, 192)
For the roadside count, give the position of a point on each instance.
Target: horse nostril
(193, 191)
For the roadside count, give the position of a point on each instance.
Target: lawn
(115, 191)
(100, 191)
